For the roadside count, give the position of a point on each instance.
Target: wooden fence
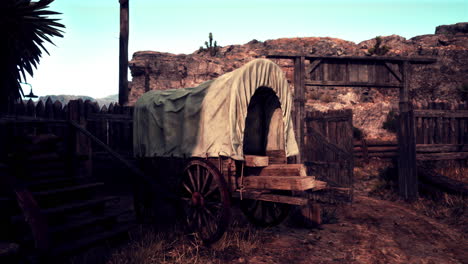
(441, 133)
(328, 146)
(112, 124)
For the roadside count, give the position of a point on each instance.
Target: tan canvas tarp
(208, 120)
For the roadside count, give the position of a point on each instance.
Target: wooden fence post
(299, 100)
(407, 174)
(80, 145)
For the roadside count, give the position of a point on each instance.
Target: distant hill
(64, 99)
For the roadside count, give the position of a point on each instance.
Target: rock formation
(439, 81)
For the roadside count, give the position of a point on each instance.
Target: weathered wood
(314, 64)
(291, 183)
(258, 195)
(442, 182)
(407, 176)
(299, 110)
(372, 149)
(276, 156)
(441, 113)
(256, 161)
(393, 71)
(421, 148)
(283, 169)
(442, 156)
(359, 83)
(123, 52)
(376, 143)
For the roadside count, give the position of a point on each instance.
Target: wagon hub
(198, 200)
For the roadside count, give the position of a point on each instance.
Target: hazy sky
(85, 61)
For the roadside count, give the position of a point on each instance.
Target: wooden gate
(328, 146)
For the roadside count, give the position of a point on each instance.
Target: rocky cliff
(439, 81)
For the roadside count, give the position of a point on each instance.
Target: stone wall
(439, 81)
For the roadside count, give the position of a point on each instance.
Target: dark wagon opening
(264, 128)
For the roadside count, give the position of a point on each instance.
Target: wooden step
(283, 170)
(291, 183)
(47, 184)
(72, 208)
(53, 164)
(89, 241)
(77, 188)
(256, 161)
(87, 221)
(79, 206)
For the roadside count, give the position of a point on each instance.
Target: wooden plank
(291, 183)
(256, 161)
(441, 148)
(283, 169)
(394, 71)
(435, 113)
(276, 156)
(372, 149)
(352, 84)
(442, 156)
(257, 195)
(313, 65)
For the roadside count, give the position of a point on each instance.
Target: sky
(85, 60)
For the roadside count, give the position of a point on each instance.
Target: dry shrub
(326, 98)
(450, 209)
(173, 247)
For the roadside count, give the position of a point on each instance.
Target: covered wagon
(234, 134)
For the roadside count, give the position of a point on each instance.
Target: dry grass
(148, 246)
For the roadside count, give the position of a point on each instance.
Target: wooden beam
(441, 113)
(393, 71)
(311, 67)
(442, 156)
(258, 195)
(256, 161)
(290, 183)
(352, 84)
(441, 148)
(299, 100)
(407, 175)
(123, 52)
(355, 58)
(283, 169)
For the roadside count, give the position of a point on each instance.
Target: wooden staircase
(76, 213)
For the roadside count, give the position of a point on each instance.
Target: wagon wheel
(263, 213)
(205, 200)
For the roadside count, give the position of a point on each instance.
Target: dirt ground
(368, 231)
(375, 228)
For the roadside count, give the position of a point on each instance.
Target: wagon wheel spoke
(192, 180)
(187, 188)
(206, 177)
(198, 178)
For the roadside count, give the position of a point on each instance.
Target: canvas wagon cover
(208, 120)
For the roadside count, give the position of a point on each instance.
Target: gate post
(407, 174)
(299, 99)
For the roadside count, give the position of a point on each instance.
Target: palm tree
(24, 28)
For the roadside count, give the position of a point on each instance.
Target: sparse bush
(378, 49)
(391, 122)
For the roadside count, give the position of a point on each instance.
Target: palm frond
(26, 26)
